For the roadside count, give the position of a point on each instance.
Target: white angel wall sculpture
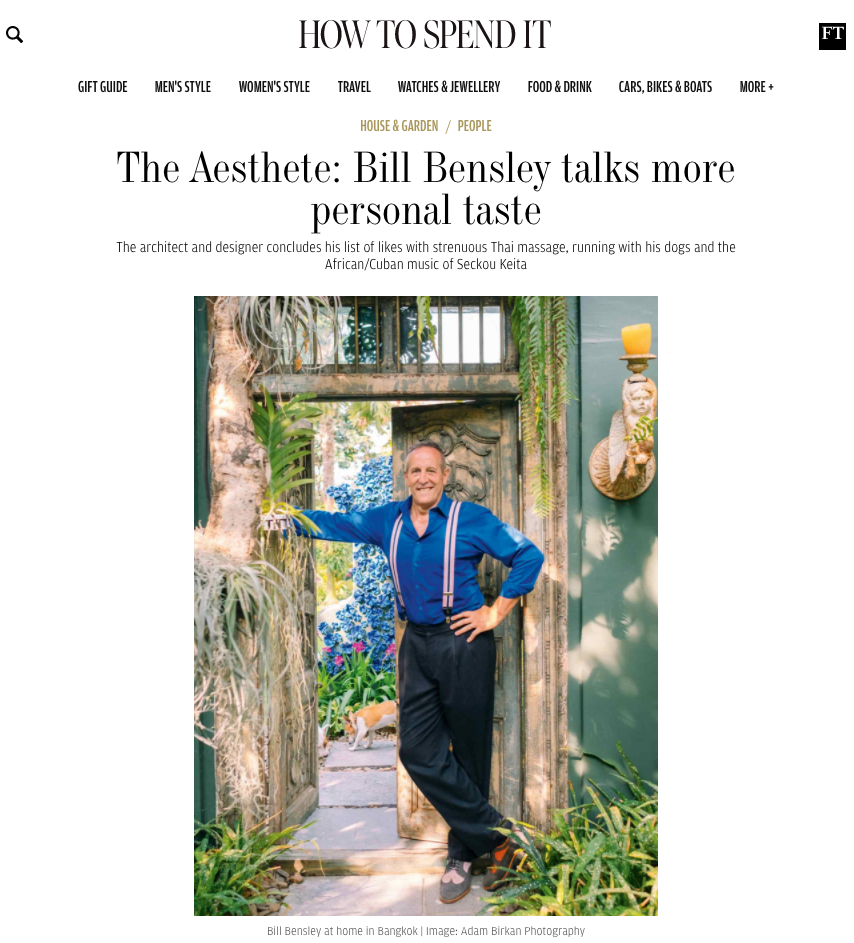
(623, 465)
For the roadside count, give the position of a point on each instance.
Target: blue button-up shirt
(420, 560)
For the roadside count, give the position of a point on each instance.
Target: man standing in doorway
(446, 662)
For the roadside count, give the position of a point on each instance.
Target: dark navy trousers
(447, 695)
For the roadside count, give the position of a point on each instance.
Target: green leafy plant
(281, 432)
(543, 334)
(355, 686)
(229, 861)
(333, 707)
(361, 678)
(600, 859)
(644, 429)
(424, 318)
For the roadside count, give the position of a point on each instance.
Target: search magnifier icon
(12, 32)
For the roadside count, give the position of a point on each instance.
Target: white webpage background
(754, 355)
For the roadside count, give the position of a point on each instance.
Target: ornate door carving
(480, 446)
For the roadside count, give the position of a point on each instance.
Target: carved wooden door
(480, 446)
(292, 754)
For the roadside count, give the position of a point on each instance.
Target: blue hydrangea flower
(370, 617)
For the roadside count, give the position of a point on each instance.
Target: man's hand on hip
(481, 620)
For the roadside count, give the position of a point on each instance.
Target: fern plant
(644, 429)
(543, 335)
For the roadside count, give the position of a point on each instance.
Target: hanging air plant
(543, 334)
(247, 618)
(250, 602)
(277, 332)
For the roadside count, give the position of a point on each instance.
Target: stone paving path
(357, 815)
(379, 895)
(357, 811)
(383, 753)
(340, 788)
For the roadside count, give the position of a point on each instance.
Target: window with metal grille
(379, 334)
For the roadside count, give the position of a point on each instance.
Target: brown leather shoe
(501, 861)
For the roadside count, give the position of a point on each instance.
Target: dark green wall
(204, 785)
(613, 621)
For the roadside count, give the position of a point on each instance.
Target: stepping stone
(361, 841)
(374, 895)
(358, 787)
(382, 753)
(361, 829)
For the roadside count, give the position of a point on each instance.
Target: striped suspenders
(450, 560)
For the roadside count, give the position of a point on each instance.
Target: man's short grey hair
(425, 444)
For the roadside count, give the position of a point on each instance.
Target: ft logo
(831, 35)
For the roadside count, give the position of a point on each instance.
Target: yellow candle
(637, 339)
